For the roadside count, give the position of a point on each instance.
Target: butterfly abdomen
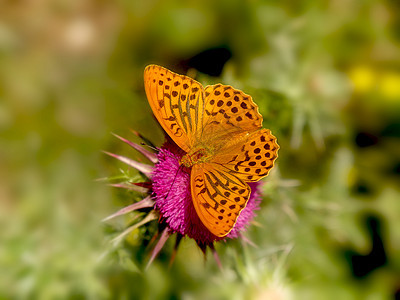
(201, 155)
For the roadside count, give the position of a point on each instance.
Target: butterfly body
(220, 130)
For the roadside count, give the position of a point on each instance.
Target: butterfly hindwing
(177, 102)
(251, 159)
(218, 197)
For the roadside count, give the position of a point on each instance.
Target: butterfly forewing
(218, 197)
(177, 102)
(227, 112)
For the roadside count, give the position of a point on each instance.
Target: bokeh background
(326, 76)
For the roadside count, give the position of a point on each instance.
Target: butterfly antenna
(176, 174)
(147, 141)
(155, 149)
(151, 147)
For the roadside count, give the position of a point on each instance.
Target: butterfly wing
(250, 157)
(177, 102)
(228, 112)
(218, 197)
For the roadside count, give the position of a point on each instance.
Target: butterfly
(220, 130)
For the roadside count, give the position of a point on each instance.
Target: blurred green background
(326, 76)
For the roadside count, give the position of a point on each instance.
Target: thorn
(102, 179)
(150, 217)
(146, 202)
(144, 168)
(246, 240)
(164, 237)
(216, 257)
(130, 187)
(150, 156)
(177, 242)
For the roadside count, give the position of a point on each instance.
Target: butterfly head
(200, 155)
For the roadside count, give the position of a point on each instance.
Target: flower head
(173, 199)
(170, 197)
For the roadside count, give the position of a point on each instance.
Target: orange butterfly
(220, 129)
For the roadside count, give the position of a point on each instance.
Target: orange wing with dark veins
(228, 112)
(218, 197)
(177, 102)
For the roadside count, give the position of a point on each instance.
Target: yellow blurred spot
(352, 177)
(389, 85)
(133, 238)
(363, 78)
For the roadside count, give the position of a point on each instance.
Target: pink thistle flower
(169, 195)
